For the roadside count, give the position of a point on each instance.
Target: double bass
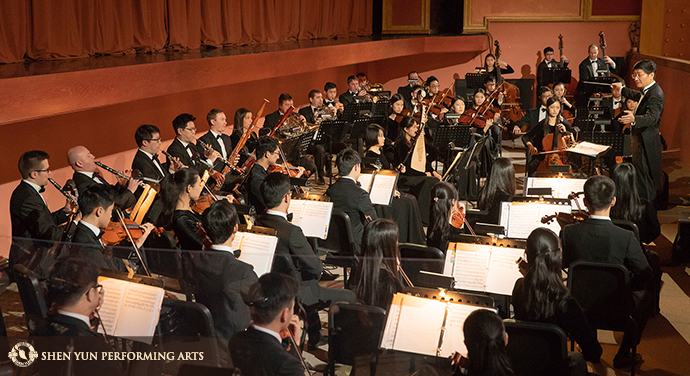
(511, 110)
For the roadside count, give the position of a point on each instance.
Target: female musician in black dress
(486, 340)
(403, 209)
(243, 123)
(553, 121)
(390, 126)
(419, 183)
(444, 202)
(490, 64)
(379, 276)
(456, 108)
(499, 187)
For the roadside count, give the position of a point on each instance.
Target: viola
(473, 117)
(566, 218)
(115, 233)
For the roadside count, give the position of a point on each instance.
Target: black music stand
(290, 148)
(329, 132)
(469, 158)
(355, 111)
(304, 141)
(590, 88)
(380, 108)
(616, 140)
(459, 135)
(552, 76)
(474, 80)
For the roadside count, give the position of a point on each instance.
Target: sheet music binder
(427, 325)
(522, 216)
(368, 185)
(316, 225)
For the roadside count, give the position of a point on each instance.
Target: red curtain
(59, 29)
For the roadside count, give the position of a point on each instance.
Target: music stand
(598, 85)
(459, 135)
(380, 108)
(614, 139)
(290, 148)
(554, 75)
(474, 80)
(330, 132)
(355, 111)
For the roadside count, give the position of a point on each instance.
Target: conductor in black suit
(34, 227)
(86, 175)
(645, 137)
(260, 350)
(96, 207)
(597, 239)
(348, 197)
(74, 292)
(294, 255)
(221, 277)
(406, 91)
(589, 68)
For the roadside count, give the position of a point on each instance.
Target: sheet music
(257, 250)
(560, 188)
(140, 312)
(523, 217)
(455, 337)
(589, 149)
(313, 217)
(471, 266)
(114, 293)
(382, 189)
(365, 181)
(503, 271)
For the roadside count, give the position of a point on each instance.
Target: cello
(555, 154)
(511, 110)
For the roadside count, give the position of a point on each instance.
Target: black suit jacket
(176, 149)
(586, 73)
(542, 68)
(260, 354)
(34, 227)
(646, 129)
(54, 335)
(406, 92)
(531, 118)
(209, 139)
(253, 186)
(294, 255)
(147, 167)
(353, 201)
(272, 119)
(85, 243)
(124, 198)
(308, 114)
(600, 240)
(221, 279)
(346, 98)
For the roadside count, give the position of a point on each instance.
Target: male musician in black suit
(34, 227)
(221, 278)
(597, 239)
(406, 91)
(260, 350)
(268, 154)
(294, 255)
(86, 175)
(348, 197)
(547, 64)
(646, 140)
(74, 290)
(322, 159)
(183, 148)
(148, 138)
(589, 68)
(534, 115)
(96, 207)
(353, 90)
(217, 139)
(330, 90)
(533, 139)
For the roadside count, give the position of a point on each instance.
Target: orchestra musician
(490, 65)
(86, 175)
(590, 67)
(535, 115)
(353, 90)
(491, 128)
(331, 99)
(486, 340)
(499, 187)
(396, 105)
(363, 80)
(490, 86)
(34, 227)
(645, 136)
(533, 138)
(406, 90)
(321, 158)
(559, 92)
(177, 192)
(148, 138)
(242, 124)
(456, 107)
(444, 202)
(547, 64)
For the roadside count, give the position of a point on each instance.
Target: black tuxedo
(221, 279)
(147, 167)
(271, 120)
(209, 139)
(531, 118)
(176, 149)
(85, 243)
(542, 68)
(124, 198)
(586, 73)
(258, 353)
(347, 98)
(54, 335)
(255, 177)
(406, 92)
(308, 114)
(34, 227)
(353, 201)
(646, 142)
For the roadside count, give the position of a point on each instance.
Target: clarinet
(59, 188)
(119, 174)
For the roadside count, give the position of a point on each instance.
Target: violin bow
(121, 217)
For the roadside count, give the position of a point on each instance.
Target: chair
(191, 321)
(536, 349)
(628, 225)
(339, 246)
(31, 294)
(415, 257)
(355, 330)
(603, 292)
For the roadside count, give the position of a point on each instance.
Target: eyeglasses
(99, 289)
(47, 170)
(635, 75)
(190, 129)
(155, 139)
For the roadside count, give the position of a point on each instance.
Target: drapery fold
(61, 29)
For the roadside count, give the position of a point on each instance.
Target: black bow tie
(100, 234)
(155, 158)
(97, 175)
(615, 102)
(219, 137)
(289, 217)
(543, 110)
(43, 189)
(359, 184)
(328, 103)
(592, 61)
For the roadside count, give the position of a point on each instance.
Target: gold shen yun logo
(23, 354)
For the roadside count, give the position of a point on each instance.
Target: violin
(203, 202)
(201, 233)
(288, 169)
(115, 233)
(473, 117)
(566, 218)
(402, 114)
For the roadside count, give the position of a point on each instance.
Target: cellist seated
(547, 135)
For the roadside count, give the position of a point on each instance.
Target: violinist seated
(96, 207)
(554, 124)
(268, 154)
(294, 255)
(406, 91)
(148, 138)
(322, 159)
(487, 122)
(490, 87)
(457, 107)
(86, 175)
(331, 97)
(535, 115)
(178, 192)
(73, 296)
(183, 149)
(547, 64)
(391, 123)
(266, 348)
(34, 227)
(221, 278)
